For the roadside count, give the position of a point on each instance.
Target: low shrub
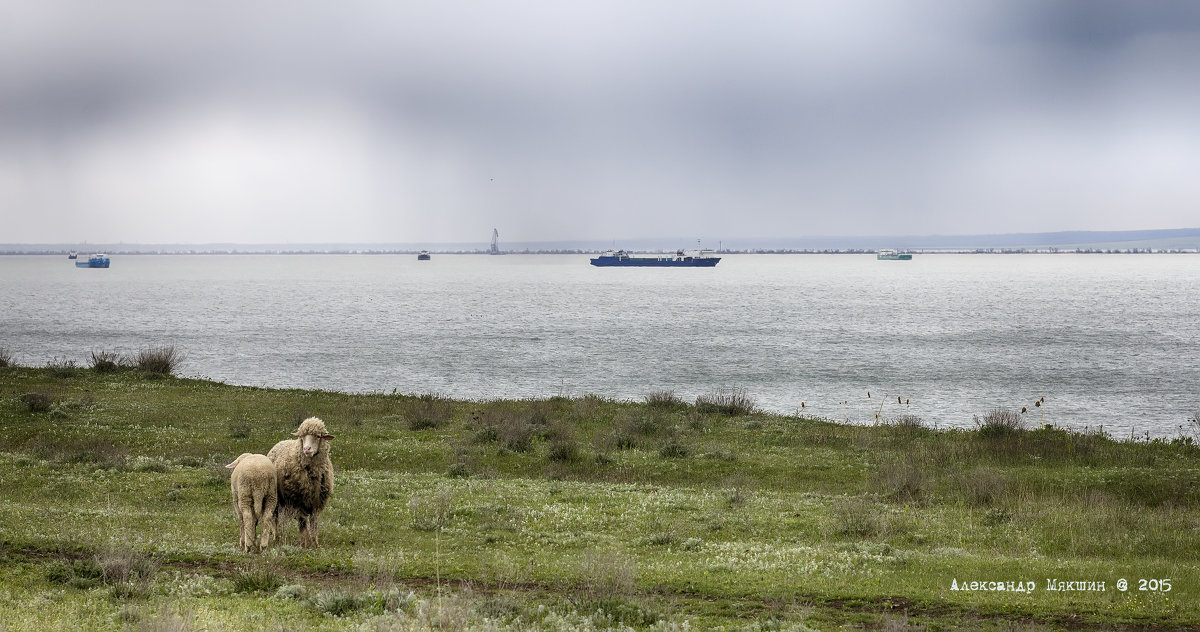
(59, 572)
(902, 480)
(620, 440)
(516, 435)
(731, 403)
(1000, 422)
(91, 450)
(159, 361)
(673, 450)
(6, 358)
(239, 430)
(607, 574)
(340, 603)
(291, 591)
(621, 613)
(662, 538)
(459, 470)
(663, 399)
(858, 518)
(982, 486)
(908, 422)
(37, 402)
(431, 512)
(107, 361)
(126, 566)
(261, 581)
(128, 573)
(62, 368)
(149, 464)
(428, 410)
(336, 603)
(487, 434)
(643, 425)
(564, 451)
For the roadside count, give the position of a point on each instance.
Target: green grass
(574, 513)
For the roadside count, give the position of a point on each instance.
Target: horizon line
(1134, 234)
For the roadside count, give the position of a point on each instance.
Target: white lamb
(255, 496)
(305, 476)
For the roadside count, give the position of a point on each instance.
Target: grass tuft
(337, 603)
(38, 402)
(6, 358)
(260, 581)
(159, 361)
(62, 368)
(730, 403)
(1000, 422)
(431, 512)
(904, 479)
(427, 411)
(908, 422)
(674, 450)
(858, 518)
(107, 361)
(663, 399)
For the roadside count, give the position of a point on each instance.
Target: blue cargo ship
(94, 261)
(695, 259)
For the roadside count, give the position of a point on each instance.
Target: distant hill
(1166, 239)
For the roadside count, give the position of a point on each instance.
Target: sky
(146, 121)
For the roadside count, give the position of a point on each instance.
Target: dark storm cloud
(601, 119)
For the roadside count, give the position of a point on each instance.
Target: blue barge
(94, 261)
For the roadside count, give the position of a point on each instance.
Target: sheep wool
(305, 476)
(255, 495)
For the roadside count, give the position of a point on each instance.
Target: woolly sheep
(255, 495)
(305, 476)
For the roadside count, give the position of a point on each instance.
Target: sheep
(255, 497)
(305, 476)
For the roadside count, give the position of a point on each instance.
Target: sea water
(1109, 341)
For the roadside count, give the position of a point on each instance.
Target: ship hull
(648, 262)
(92, 263)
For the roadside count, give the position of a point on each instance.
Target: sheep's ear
(231, 465)
(296, 434)
(328, 437)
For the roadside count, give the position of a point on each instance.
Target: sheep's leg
(312, 531)
(241, 531)
(268, 521)
(247, 520)
(303, 531)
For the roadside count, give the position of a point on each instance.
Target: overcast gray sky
(435, 121)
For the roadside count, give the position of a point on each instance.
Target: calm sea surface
(1111, 340)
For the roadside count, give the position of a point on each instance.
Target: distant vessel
(94, 261)
(693, 259)
(73, 255)
(423, 255)
(887, 254)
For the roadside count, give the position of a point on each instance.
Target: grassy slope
(574, 513)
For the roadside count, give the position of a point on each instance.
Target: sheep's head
(312, 435)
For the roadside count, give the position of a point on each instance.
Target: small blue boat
(681, 259)
(94, 261)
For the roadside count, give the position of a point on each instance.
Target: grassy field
(577, 513)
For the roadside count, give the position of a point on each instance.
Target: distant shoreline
(1173, 240)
